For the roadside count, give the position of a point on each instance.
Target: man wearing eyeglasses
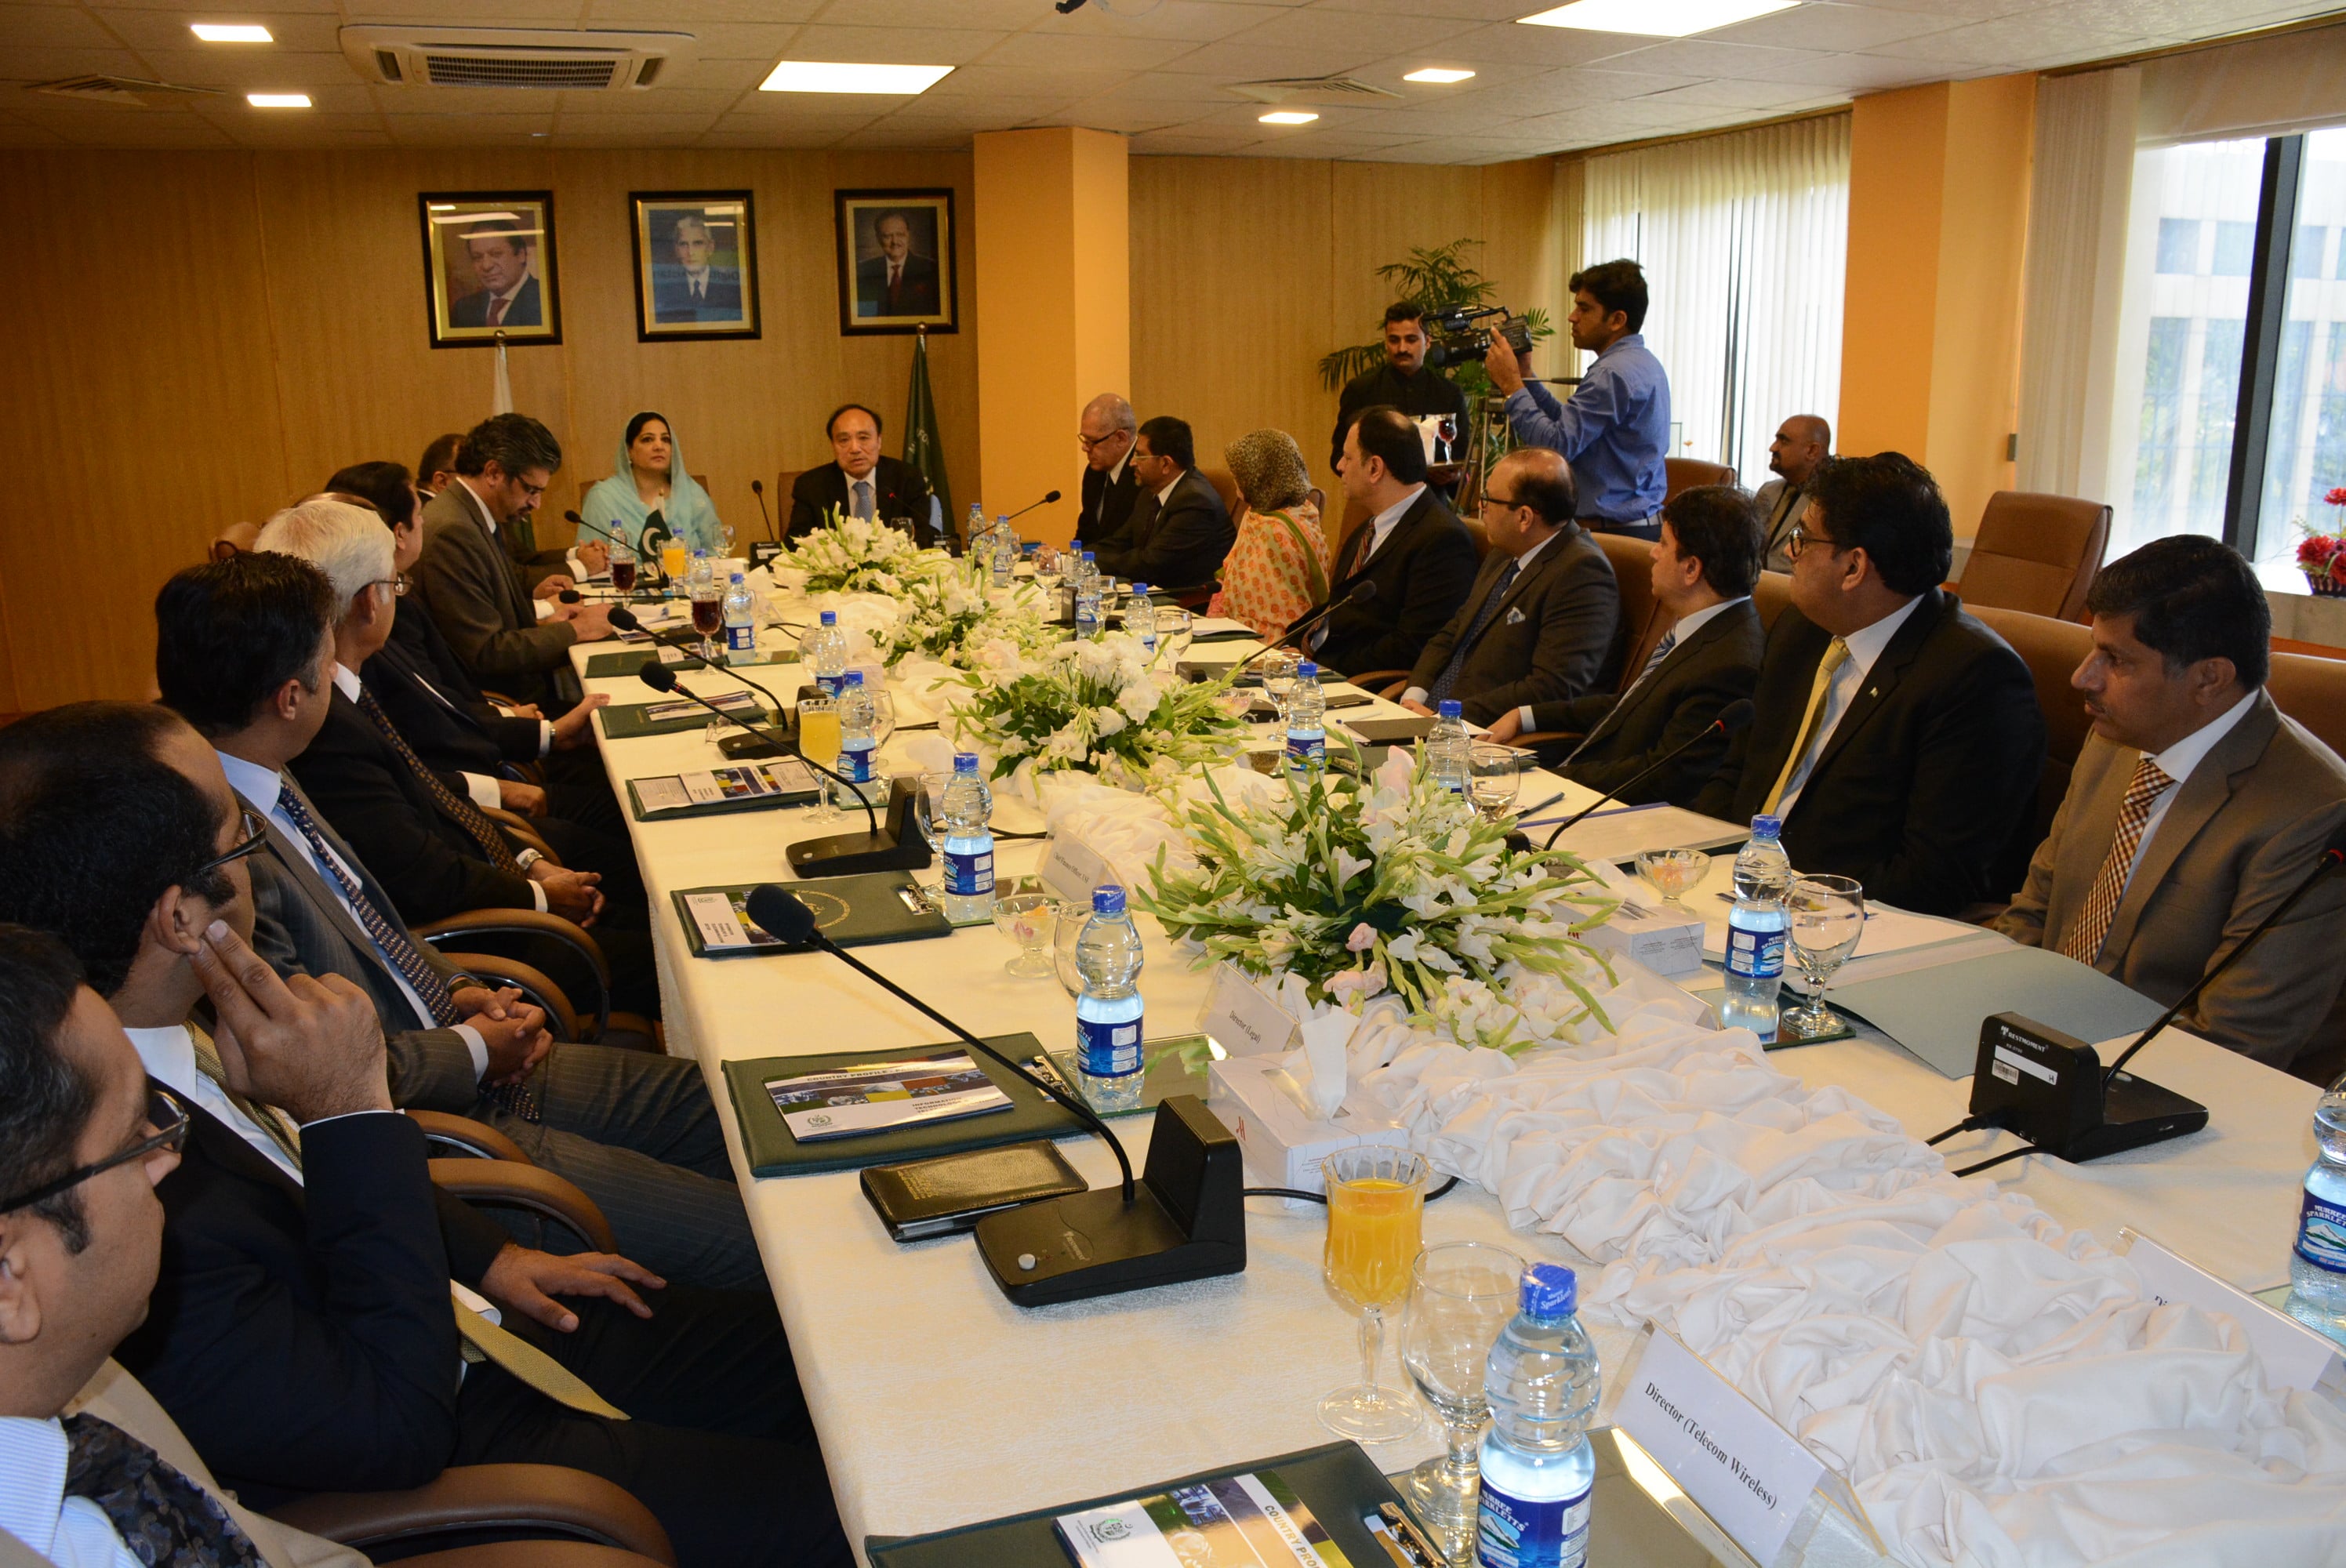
(510, 641)
(1897, 737)
(1111, 488)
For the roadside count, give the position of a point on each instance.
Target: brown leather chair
(1226, 485)
(1356, 517)
(2036, 553)
(236, 539)
(1692, 473)
(2311, 689)
(583, 1521)
(1476, 532)
(2053, 650)
(1769, 595)
(1642, 621)
(781, 502)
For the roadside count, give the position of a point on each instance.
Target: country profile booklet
(880, 1096)
(785, 782)
(1252, 1520)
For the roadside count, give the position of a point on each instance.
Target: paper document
(1214, 626)
(677, 791)
(1618, 832)
(1251, 1520)
(1935, 1012)
(731, 702)
(884, 1095)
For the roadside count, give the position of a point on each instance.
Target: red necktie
(497, 311)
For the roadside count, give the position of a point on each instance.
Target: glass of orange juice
(1376, 1210)
(675, 557)
(819, 743)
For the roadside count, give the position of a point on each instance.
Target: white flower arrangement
(1093, 705)
(847, 555)
(952, 617)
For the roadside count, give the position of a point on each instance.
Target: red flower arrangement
(2322, 557)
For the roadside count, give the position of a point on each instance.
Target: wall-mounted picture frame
(896, 268)
(696, 264)
(489, 268)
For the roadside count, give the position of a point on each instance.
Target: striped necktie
(467, 815)
(1448, 679)
(274, 1124)
(1654, 660)
(2092, 926)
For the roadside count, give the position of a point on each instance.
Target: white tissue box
(1668, 942)
(1282, 1143)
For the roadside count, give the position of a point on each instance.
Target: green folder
(854, 911)
(774, 1151)
(627, 721)
(1338, 1482)
(627, 660)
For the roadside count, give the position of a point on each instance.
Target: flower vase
(2324, 586)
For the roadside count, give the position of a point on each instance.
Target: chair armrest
(466, 1499)
(534, 1554)
(477, 1139)
(1538, 738)
(502, 1184)
(1368, 680)
(529, 922)
(535, 984)
(521, 827)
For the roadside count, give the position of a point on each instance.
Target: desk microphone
(1733, 719)
(573, 517)
(1022, 511)
(1185, 1220)
(758, 489)
(627, 620)
(1362, 591)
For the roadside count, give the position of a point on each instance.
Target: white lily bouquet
(1094, 705)
(1391, 886)
(848, 556)
(952, 617)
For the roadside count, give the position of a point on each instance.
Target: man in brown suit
(2195, 808)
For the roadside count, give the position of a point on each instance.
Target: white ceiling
(1157, 70)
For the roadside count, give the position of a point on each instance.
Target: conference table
(940, 1403)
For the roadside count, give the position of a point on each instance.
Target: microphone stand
(1030, 507)
(758, 489)
(1364, 589)
(1715, 728)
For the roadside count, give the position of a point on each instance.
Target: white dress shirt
(70, 1532)
(1866, 647)
(1116, 472)
(260, 789)
(695, 282)
(1684, 627)
(2177, 762)
(1381, 529)
(1418, 694)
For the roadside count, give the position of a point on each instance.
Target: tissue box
(1282, 1143)
(1666, 941)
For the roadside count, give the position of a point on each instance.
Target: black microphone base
(853, 854)
(2046, 1088)
(2137, 1112)
(739, 748)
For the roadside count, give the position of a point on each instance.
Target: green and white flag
(923, 453)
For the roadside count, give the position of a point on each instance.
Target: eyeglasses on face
(1088, 441)
(1503, 503)
(255, 829)
(1799, 539)
(165, 1113)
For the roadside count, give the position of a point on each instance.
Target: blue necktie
(863, 499)
(1654, 660)
(1449, 676)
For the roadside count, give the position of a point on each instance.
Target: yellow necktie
(1836, 655)
(274, 1123)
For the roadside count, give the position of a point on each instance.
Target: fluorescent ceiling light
(278, 101)
(1654, 18)
(1288, 118)
(841, 76)
(1437, 73)
(230, 33)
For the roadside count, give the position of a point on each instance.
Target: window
(2178, 245)
(2305, 452)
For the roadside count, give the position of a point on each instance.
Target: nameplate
(1241, 1018)
(1072, 868)
(1751, 1476)
(2295, 1356)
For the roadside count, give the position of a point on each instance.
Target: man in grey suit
(509, 641)
(1538, 625)
(2195, 806)
(1802, 441)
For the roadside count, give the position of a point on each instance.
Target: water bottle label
(832, 684)
(1307, 750)
(1516, 1533)
(967, 876)
(1107, 1050)
(1755, 954)
(856, 763)
(741, 637)
(2321, 1235)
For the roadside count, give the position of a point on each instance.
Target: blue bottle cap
(1139, 589)
(1307, 671)
(1453, 708)
(1087, 555)
(965, 761)
(1767, 827)
(737, 578)
(853, 678)
(830, 617)
(1109, 899)
(1000, 518)
(1550, 1290)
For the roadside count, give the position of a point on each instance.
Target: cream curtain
(1743, 236)
(2259, 87)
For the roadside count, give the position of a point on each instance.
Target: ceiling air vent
(423, 55)
(128, 92)
(1334, 92)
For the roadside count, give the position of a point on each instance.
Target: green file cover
(627, 721)
(774, 1152)
(1338, 1482)
(627, 660)
(854, 911)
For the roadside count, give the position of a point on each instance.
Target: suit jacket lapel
(1883, 677)
(1642, 691)
(225, 1148)
(1524, 578)
(1367, 537)
(2200, 797)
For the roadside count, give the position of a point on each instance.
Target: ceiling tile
(1567, 89)
(1858, 73)
(1198, 21)
(457, 130)
(59, 27)
(2002, 40)
(144, 30)
(892, 45)
(44, 65)
(509, 13)
(1701, 57)
(760, 41)
(1047, 51)
(457, 103)
(1345, 31)
(1555, 46)
(1005, 15)
(1842, 29)
(1464, 10)
(694, 16)
(261, 70)
(1725, 94)
(974, 114)
(1235, 60)
(663, 101)
(1013, 83)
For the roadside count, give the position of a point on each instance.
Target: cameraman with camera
(1403, 381)
(1616, 430)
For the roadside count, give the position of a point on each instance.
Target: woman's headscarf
(1268, 468)
(688, 514)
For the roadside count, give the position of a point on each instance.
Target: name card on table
(2295, 1356)
(1751, 1476)
(1241, 1017)
(1072, 868)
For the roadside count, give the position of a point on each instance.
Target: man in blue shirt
(1616, 430)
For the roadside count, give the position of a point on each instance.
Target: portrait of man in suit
(498, 253)
(696, 273)
(896, 268)
(490, 260)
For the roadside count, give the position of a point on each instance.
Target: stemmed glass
(1828, 918)
(819, 743)
(1030, 919)
(1046, 572)
(1173, 632)
(1376, 1212)
(623, 567)
(1495, 776)
(1673, 872)
(726, 534)
(1461, 1295)
(1278, 671)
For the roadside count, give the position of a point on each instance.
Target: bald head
(1107, 431)
(1801, 443)
(1530, 495)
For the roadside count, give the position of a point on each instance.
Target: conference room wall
(195, 337)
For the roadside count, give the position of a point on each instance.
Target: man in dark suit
(1413, 554)
(688, 289)
(896, 282)
(1180, 531)
(1540, 622)
(1702, 572)
(858, 481)
(302, 1331)
(500, 251)
(1801, 443)
(1111, 488)
(1897, 737)
(508, 640)
(1403, 381)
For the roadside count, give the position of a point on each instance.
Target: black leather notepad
(774, 1152)
(1338, 1482)
(671, 716)
(629, 660)
(950, 1193)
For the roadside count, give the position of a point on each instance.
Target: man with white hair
(1105, 432)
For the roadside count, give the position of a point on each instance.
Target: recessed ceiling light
(231, 32)
(1654, 18)
(841, 76)
(1437, 73)
(1288, 118)
(278, 101)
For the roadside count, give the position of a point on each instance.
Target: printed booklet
(1250, 1521)
(884, 1095)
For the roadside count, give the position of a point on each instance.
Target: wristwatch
(525, 858)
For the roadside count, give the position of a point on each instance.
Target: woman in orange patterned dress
(1278, 567)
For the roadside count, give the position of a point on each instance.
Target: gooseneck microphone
(660, 677)
(573, 517)
(758, 489)
(1733, 719)
(1030, 507)
(1359, 593)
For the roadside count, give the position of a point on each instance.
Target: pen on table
(1543, 806)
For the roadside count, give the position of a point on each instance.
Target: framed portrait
(696, 264)
(488, 267)
(896, 262)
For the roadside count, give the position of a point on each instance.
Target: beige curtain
(2262, 86)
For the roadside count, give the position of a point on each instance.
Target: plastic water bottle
(1107, 1010)
(1005, 552)
(975, 532)
(740, 619)
(857, 744)
(1087, 597)
(1307, 724)
(968, 845)
(1757, 929)
(1449, 750)
(701, 570)
(1538, 1470)
(2317, 1264)
(1140, 619)
(824, 651)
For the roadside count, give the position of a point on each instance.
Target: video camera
(1457, 339)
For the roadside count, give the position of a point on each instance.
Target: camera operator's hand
(1507, 368)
